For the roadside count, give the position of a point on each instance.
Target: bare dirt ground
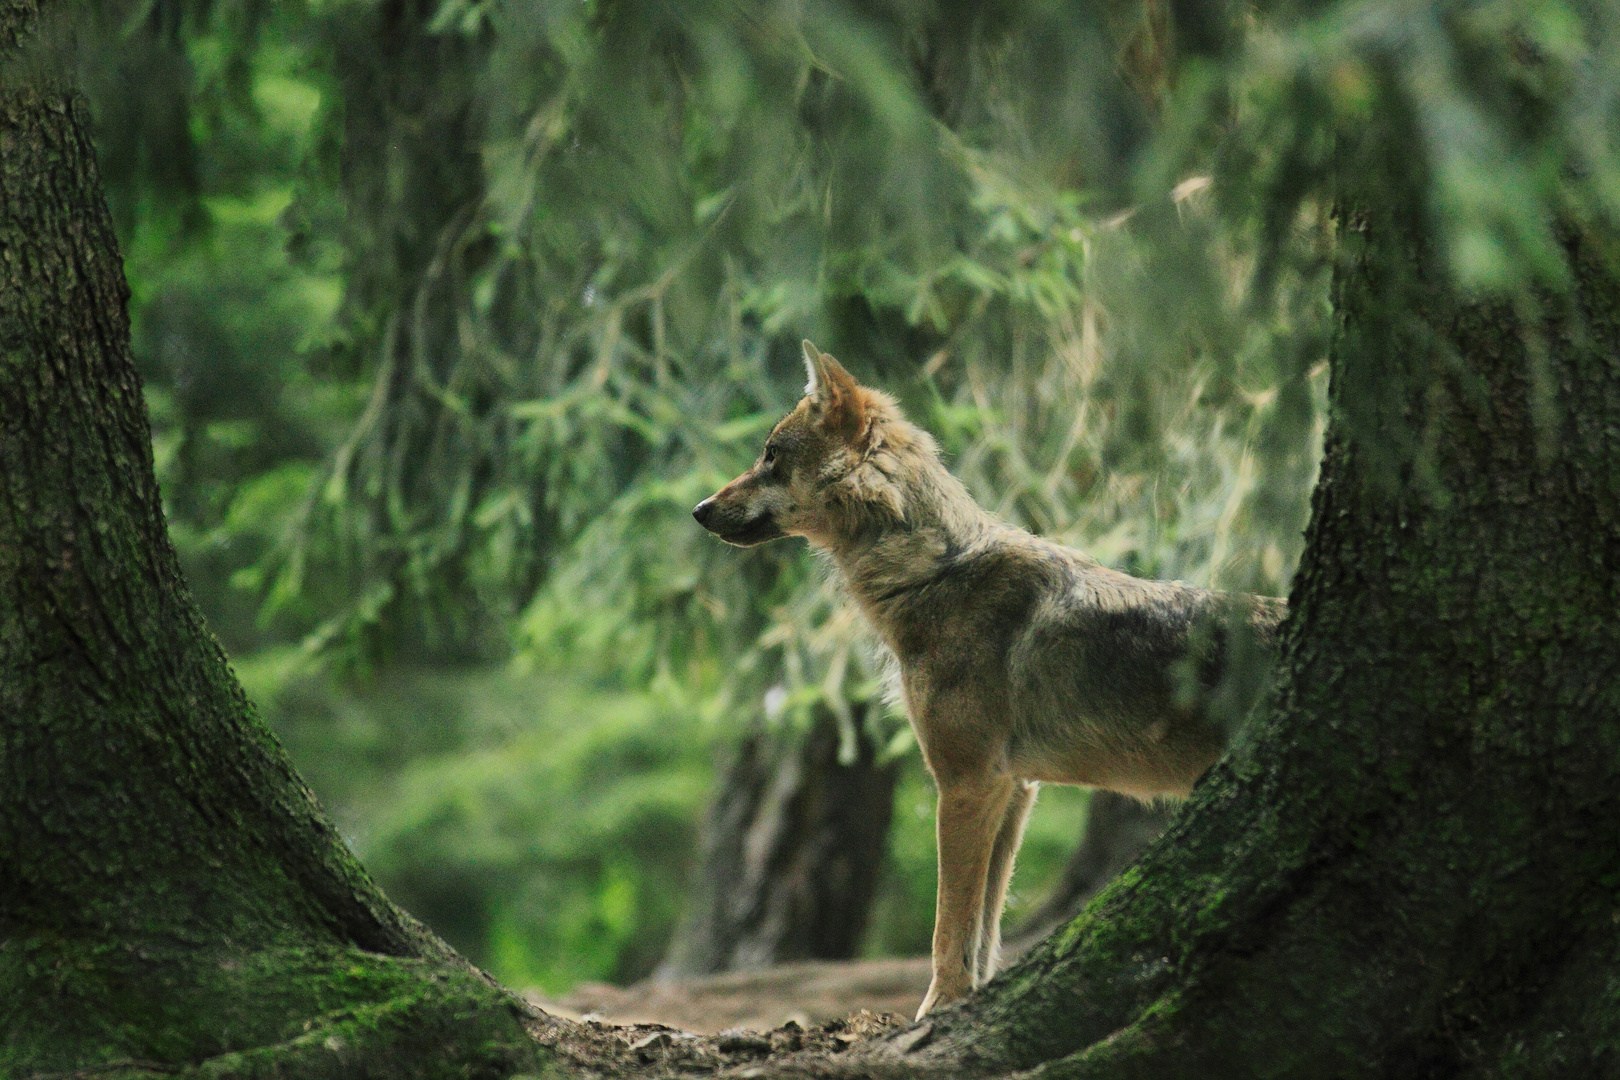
(601, 1051)
(799, 1019)
(810, 994)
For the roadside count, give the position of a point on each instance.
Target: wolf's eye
(770, 453)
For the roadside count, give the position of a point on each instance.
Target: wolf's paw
(943, 992)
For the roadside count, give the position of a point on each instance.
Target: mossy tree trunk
(1409, 864)
(170, 893)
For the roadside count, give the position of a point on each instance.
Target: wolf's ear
(834, 392)
(826, 376)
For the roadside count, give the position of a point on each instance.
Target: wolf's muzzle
(741, 533)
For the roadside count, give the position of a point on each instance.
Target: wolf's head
(828, 469)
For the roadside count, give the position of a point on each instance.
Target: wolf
(1020, 661)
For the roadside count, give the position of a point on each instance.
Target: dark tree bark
(169, 891)
(1408, 864)
(1118, 829)
(791, 852)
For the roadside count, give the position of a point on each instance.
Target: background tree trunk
(170, 891)
(1407, 865)
(792, 848)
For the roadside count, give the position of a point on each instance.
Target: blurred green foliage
(539, 826)
(449, 310)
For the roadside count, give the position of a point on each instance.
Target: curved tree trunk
(169, 891)
(791, 853)
(1408, 865)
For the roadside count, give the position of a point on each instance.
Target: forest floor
(728, 1024)
(810, 993)
(593, 1050)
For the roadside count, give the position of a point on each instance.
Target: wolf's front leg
(1008, 839)
(969, 816)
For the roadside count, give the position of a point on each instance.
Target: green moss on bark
(293, 1011)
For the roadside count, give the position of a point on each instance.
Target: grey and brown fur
(1020, 660)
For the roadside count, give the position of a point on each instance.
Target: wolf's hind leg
(970, 815)
(1002, 855)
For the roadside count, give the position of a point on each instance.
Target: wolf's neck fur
(908, 519)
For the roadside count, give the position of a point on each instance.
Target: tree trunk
(791, 853)
(169, 891)
(1118, 829)
(1407, 866)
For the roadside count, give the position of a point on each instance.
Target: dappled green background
(449, 312)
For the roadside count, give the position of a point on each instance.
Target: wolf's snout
(703, 511)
